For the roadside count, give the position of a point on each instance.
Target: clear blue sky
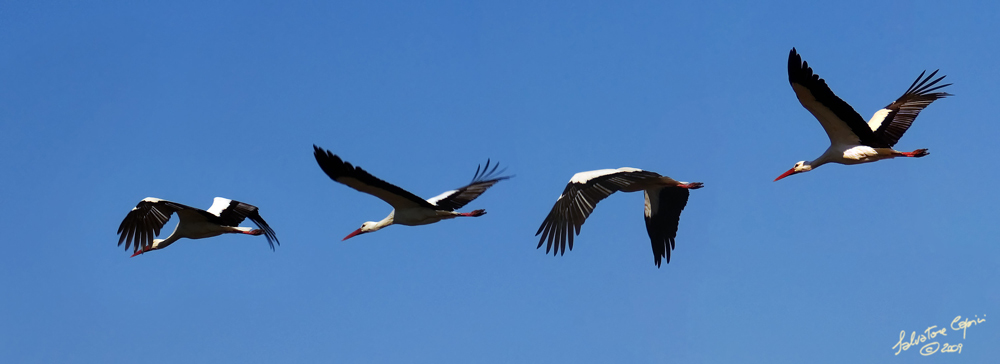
(103, 105)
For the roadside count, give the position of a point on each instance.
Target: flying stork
(852, 141)
(408, 209)
(665, 198)
(144, 222)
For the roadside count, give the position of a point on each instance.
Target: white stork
(665, 199)
(148, 217)
(408, 209)
(852, 141)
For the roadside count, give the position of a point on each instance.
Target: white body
(194, 226)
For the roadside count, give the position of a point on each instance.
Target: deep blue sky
(103, 105)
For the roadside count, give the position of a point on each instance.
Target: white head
(798, 168)
(367, 227)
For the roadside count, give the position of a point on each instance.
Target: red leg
(475, 213)
(254, 232)
(916, 153)
(692, 185)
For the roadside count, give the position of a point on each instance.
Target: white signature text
(932, 334)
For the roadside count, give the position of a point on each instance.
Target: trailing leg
(916, 153)
(475, 213)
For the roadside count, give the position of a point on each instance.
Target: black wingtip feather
(484, 173)
(272, 238)
(921, 86)
(914, 84)
(330, 163)
(569, 235)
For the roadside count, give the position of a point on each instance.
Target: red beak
(356, 232)
(786, 174)
(137, 253)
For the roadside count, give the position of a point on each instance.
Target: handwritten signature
(932, 332)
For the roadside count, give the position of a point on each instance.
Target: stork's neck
(388, 220)
(823, 159)
(162, 243)
(808, 166)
